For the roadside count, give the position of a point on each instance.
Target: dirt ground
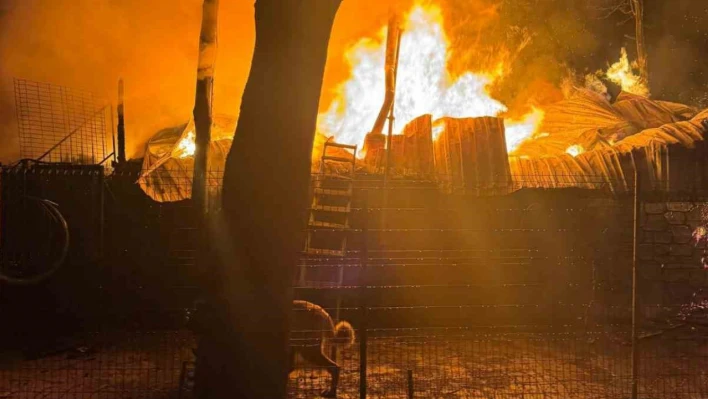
(158, 365)
(105, 366)
(525, 367)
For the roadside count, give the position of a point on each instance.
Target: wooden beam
(203, 118)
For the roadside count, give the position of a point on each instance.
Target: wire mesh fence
(60, 124)
(526, 295)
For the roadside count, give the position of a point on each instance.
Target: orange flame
(518, 131)
(186, 147)
(575, 150)
(424, 85)
(621, 73)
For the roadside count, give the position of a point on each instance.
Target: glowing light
(437, 131)
(424, 84)
(519, 131)
(575, 150)
(621, 73)
(187, 146)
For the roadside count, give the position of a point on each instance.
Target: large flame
(622, 73)
(424, 85)
(186, 146)
(517, 131)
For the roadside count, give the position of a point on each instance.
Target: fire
(424, 86)
(622, 73)
(524, 129)
(575, 150)
(186, 146)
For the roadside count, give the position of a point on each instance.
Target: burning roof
(585, 140)
(169, 160)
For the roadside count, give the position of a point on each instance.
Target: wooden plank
(418, 151)
(472, 154)
(374, 150)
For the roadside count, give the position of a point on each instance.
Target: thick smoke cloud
(89, 44)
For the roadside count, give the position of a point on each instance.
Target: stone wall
(670, 256)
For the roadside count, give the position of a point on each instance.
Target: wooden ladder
(331, 207)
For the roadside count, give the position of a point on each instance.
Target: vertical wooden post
(393, 25)
(113, 135)
(638, 11)
(410, 384)
(203, 102)
(363, 298)
(392, 40)
(121, 123)
(635, 303)
(393, 46)
(206, 374)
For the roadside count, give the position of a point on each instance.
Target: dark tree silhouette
(635, 9)
(243, 346)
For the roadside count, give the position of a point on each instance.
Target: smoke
(153, 45)
(90, 44)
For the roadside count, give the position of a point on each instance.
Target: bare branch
(616, 6)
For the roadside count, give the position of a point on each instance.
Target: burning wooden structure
(588, 142)
(168, 165)
(461, 140)
(664, 141)
(584, 140)
(471, 154)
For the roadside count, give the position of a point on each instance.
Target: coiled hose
(51, 209)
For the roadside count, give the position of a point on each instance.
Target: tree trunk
(244, 346)
(638, 10)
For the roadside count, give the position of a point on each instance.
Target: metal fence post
(410, 384)
(363, 300)
(635, 304)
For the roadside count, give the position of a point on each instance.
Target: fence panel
(525, 295)
(60, 124)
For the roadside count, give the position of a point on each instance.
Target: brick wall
(670, 256)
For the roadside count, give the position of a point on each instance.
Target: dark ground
(529, 366)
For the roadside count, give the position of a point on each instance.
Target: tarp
(670, 138)
(584, 118)
(167, 175)
(671, 157)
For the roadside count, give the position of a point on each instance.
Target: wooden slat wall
(471, 154)
(418, 146)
